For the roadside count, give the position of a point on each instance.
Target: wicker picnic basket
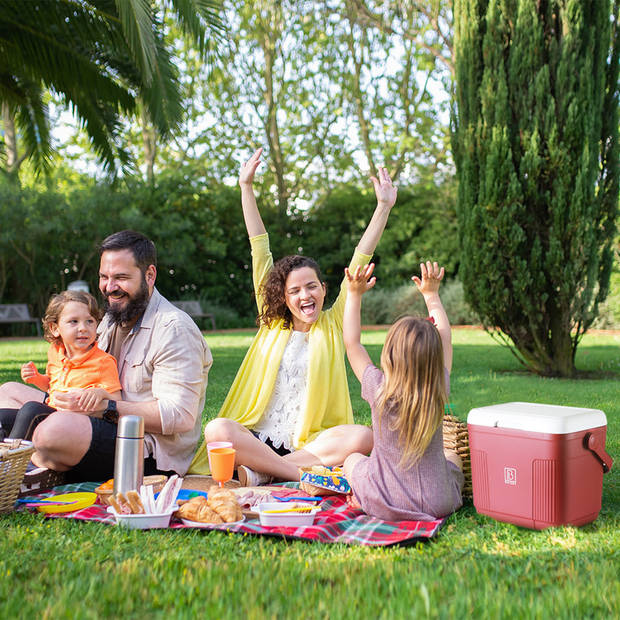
(14, 458)
(455, 438)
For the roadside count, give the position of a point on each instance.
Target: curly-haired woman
(289, 404)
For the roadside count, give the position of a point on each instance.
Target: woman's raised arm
(253, 221)
(386, 197)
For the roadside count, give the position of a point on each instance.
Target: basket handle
(591, 443)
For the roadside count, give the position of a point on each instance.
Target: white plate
(200, 524)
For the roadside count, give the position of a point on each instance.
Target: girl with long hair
(408, 475)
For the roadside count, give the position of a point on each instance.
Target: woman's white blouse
(289, 394)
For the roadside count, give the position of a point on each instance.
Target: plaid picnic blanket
(335, 523)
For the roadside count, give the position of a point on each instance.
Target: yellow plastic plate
(82, 500)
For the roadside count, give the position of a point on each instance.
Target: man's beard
(134, 308)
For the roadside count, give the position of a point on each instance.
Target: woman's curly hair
(272, 290)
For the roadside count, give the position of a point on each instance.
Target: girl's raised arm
(253, 221)
(357, 283)
(386, 197)
(432, 276)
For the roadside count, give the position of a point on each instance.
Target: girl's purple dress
(428, 490)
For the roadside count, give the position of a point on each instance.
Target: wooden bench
(18, 313)
(194, 309)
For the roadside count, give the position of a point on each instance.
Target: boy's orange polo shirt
(94, 369)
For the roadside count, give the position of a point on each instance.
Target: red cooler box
(538, 465)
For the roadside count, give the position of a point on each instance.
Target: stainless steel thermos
(129, 456)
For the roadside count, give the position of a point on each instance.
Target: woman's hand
(360, 281)
(384, 190)
(248, 168)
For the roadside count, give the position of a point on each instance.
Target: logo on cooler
(510, 475)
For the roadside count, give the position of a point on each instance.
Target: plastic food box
(286, 518)
(538, 465)
(144, 521)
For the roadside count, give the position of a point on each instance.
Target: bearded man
(163, 363)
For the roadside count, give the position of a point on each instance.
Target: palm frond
(32, 119)
(137, 20)
(197, 18)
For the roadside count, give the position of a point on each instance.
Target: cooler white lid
(537, 417)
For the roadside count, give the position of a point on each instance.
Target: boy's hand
(29, 372)
(90, 399)
(360, 281)
(248, 168)
(384, 190)
(432, 275)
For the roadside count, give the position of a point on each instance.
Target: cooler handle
(591, 443)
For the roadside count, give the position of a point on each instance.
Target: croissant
(199, 511)
(225, 503)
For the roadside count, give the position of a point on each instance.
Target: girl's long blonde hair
(414, 389)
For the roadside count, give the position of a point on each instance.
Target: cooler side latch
(591, 443)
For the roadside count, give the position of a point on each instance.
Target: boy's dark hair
(142, 248)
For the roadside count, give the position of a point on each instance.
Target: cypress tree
(535, 139)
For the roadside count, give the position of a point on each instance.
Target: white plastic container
(143, 522)
(287, 518)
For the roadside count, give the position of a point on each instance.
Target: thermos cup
(129, 456)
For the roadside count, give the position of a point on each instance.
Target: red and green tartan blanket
(335, 523)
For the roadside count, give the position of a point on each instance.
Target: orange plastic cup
(222, 464)
(217, 444)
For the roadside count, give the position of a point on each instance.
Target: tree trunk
(271, 123)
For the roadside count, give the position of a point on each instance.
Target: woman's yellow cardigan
(327, 402)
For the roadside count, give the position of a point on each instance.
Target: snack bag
(319, 480)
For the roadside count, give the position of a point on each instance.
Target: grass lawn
(475, 567)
